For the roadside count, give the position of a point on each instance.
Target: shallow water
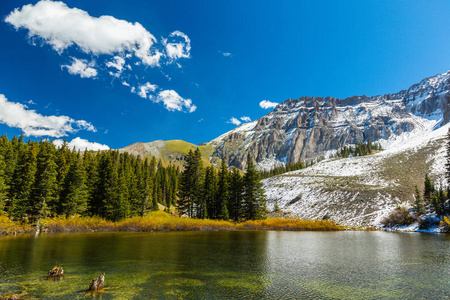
(230, 265)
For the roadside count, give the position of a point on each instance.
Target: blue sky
(119, 72)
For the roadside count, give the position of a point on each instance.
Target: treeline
(223, 194)
(38, 180)
(432, 199)
(284, 168)
(360, 149)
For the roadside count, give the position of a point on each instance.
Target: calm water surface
(230, 265)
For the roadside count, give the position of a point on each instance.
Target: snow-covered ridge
(309, 127)
(361, 191)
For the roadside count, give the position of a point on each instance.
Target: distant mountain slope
(309, 127)
(174, 151)
(360, 191)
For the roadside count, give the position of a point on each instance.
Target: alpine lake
(229, 265)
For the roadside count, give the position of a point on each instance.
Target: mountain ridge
(309, 127)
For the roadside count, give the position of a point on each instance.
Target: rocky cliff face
(309, 127)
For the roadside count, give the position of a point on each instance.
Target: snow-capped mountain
(361, 191)
(310, 127)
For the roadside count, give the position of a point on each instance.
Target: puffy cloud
(172, 101)
(62, 27)
(267, 104)
(145, 88)
(83, 125)
(33, 124)
(180, 47)
(81, 144)
(245, 119)
(234, 121)
(81, 67)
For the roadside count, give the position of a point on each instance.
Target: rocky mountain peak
(309, 127)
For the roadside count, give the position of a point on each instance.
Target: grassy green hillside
(170, 152)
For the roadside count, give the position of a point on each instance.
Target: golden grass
(290, 224)
(161, 221)
(8, 226)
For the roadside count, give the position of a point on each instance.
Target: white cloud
(145, 88)
(81, 67)
(267, 104)
(81, 144)
(172, 101)
(245, 119)
(234, 121)
(117, 63)
(33, 124)
(62, 27)
(180, 47)
(83, 125)
(226, 54)
(31, 102)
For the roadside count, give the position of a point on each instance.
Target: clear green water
(230, 265)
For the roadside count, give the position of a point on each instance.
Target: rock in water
(55, 272)
(97, 283)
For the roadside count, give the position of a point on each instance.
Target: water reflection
(230, 265)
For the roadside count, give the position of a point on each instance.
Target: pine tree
(222, 192)
(235, 195)
(191, 185)
(185, 196)
(116, 204)
(254, 201)
(74, 191)
(45, 187)
(209, 194)
(3, 187)
(22, 183)
(428, 189)
(418, 202)
(103, 179)
(63, 160)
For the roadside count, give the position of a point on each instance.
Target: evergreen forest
(39, 180)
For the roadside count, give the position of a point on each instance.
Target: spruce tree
(428, 189)
(191, 185)
(185, 196)
(3, 187)
(45, 187)
(254, 201)
(235, 195)
(209, 194)
(74, 191)
(22, 182)
(418, 202)
(222, 192)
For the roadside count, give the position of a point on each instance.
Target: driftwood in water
(97, 283)
(55, 272)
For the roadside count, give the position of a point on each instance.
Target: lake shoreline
(163, 222)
